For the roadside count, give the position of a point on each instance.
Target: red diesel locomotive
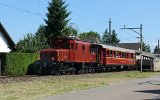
(68, 55)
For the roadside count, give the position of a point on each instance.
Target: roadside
(140, 89)
(30, 88)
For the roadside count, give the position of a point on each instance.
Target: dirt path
(142, 89)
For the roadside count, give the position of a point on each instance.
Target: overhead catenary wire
(20, 9)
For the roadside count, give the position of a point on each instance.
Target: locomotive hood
(54, 54)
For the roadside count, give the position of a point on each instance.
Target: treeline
(57, 25)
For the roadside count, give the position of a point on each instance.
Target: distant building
(6, 43)
(157, 49)
(133, 46)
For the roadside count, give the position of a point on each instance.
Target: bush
(16, 64)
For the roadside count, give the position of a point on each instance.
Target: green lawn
(36, 87)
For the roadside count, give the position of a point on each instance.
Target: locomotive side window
(83, 47)
(76, 46)
(71, 46)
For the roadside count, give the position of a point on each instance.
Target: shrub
(16, 64)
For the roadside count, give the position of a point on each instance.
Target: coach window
(111, 53)
(123, 55)
(93, 50)
(132, 55)
(127, 55)
(107, 53)
(83, 47)
(114, 53)
(119, 54)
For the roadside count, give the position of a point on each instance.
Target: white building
(6, 43)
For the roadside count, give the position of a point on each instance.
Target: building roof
(9, 40)
(133, 46)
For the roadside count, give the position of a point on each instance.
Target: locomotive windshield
(46, 56)
(60, 43)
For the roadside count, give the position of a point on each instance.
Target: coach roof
(117, 48)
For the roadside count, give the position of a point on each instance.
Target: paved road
(142, 89)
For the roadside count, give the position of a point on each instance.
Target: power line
(141, 40)
(20, 9)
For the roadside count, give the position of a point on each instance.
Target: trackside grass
(31, 88)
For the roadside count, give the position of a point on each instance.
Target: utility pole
(141, 49)
(141, 42)
(110, 30)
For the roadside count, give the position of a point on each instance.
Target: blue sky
(86, 15)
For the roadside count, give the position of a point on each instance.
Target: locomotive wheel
(72, 71)
(53, 72)
(39, 70)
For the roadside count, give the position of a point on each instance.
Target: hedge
(16, 64)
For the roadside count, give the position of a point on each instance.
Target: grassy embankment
(35, 87)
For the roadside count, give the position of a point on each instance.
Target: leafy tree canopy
(33, 43)
(70, 30)
(26, 45)
(91, 36)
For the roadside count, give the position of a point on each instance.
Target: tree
(114, 39)
(27, 44)
(40, 39)
(110, 38)
(70, 30)
(56, 19)
(146, 47)
(91, 36)
(105, 37)
(33, 43)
